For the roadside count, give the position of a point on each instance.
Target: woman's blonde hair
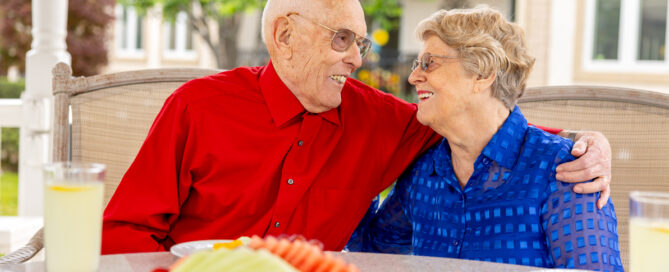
(487, 43)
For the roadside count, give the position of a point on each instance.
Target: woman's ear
(484, 83)
(282, 30)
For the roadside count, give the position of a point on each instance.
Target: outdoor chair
(636, 124)
(111, 115)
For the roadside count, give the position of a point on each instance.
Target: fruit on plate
(240, 259)
(265, 254)
(304, 255)
(241, 241)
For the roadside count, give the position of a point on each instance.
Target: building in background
(589, 42)
(593, 42)
(141, 41)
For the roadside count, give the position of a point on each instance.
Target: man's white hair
(276, 8)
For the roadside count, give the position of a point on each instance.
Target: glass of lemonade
(649, 231)
(73, 200)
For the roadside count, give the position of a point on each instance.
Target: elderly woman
(488, 192)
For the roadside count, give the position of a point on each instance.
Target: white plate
(188, 248)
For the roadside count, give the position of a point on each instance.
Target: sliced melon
(240, 259)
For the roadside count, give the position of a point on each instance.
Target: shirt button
(300, 143)
(276, 225)
(290, 182)
(455, 243)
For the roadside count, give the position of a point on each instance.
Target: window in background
(653, 29)
(178, 38)
(128, 34)
(626, 36)
(607, 22)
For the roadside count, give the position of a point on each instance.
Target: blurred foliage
(226, 15)
(87, 22)
(217, 22)
(10, 149)
(377, 10)
(11, 89)
(212, 8)
(383, 12)
(8, 194)
(383, 195)
(15, 38)
(9, 152)
(382, 79)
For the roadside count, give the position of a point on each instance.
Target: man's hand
(594, 162)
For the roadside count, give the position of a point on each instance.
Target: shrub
(10, 136)
(11, 89)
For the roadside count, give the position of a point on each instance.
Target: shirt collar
(282, 103)
(503, 148)
(442, 158)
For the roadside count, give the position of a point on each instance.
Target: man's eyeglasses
(426, 60)
(344, 38)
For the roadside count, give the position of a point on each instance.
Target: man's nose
(353, 56)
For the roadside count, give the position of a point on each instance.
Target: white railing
(15, 231)
(34, 116)
(10, 113)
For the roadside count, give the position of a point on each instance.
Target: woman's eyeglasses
(426, 60)
(344, 38)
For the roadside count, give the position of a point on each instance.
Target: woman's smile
(424, 95)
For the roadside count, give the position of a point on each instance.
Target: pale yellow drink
(73, 204)
(649, 231)
(649, 245)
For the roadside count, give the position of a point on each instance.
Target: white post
(561, 45)
(48, 48)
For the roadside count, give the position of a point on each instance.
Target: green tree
(383, 12)
(217, 22)
(86, 27)
(15, 21)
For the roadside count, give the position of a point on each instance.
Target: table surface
(146, 262)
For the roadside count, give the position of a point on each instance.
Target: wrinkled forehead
(340, 14)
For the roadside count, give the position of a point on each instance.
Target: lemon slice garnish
(663, 230)
(62, 188)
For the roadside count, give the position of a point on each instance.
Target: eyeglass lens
(424, 62)
(344, 38)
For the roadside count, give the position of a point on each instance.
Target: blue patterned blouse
(512, 210)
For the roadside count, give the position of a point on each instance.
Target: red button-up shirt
(236, 154)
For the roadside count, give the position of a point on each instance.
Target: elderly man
(294, 147)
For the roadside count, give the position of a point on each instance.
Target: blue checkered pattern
(512, 210)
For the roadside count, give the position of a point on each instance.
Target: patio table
(146, 262)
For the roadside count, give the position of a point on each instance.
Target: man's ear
(281, 36)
